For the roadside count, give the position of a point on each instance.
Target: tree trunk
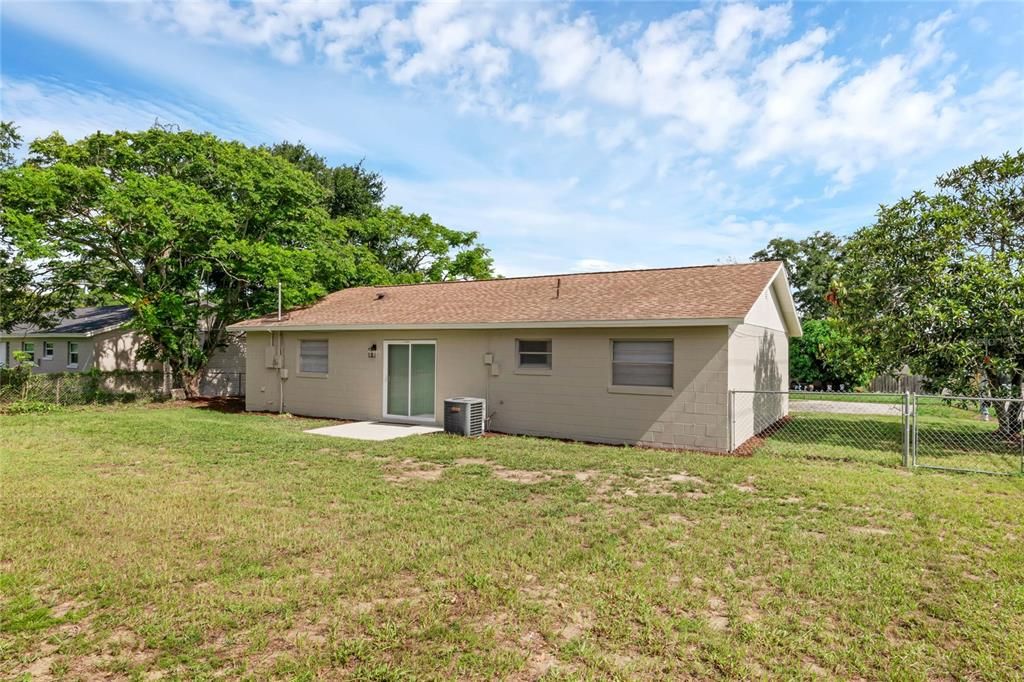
(190, 382)
(1010, 414)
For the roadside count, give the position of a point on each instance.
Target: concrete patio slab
(373, 430)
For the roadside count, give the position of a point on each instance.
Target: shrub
(31, 407)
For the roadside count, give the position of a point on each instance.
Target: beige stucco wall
(118, 350)
(758, 361)
(59, 362)
(573, 400)
(114, 350)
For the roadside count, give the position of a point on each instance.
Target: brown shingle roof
(690, 293)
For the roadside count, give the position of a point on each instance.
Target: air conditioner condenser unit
(465, 416)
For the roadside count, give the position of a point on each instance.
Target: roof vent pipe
(558, 287)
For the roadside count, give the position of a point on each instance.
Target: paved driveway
(843, 407)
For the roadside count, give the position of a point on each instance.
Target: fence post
(58, 389)
(906, 429)
(913, 429)
(732, 420)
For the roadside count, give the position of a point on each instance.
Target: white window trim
(384, 386)
(528, 369)
(298, 360)
(35, 357)
(640, 390)
(73, 365)
(53, 348)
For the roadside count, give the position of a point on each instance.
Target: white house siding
(574, 400)
(758, 361)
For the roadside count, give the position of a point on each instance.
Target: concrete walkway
(373, 430)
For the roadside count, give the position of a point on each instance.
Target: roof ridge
(564, 274)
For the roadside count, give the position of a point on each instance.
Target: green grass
(948, 436)
(138, 542)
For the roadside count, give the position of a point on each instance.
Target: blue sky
(571, 136)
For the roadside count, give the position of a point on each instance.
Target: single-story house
(89, 337)
(101, 338)
(641, 356)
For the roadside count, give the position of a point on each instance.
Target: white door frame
(384, 402)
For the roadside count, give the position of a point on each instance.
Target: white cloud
(40, 108)
(572, 123)
(566, 52)
(726, 78)
(737, 24)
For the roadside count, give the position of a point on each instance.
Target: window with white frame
(313, 356)
(534, 353)
(642, 363)
(72, 354)
(47, 350)
(29, 348)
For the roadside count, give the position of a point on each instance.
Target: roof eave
(557, 324)
(45, 333)
(779, 283)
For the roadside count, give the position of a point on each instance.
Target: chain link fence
(952, 433)
(82, 388)
(107, 387)
(958, 433)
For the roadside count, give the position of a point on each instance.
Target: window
(72, 354)
(47, 350)
(29, 348)
(313, 357)
(534, 354)
(642, 363)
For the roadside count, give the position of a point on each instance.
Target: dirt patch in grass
(521, 475)
(473, 461)
(680, 520)
(869, 530)
(578, 623)
(683, 477)
(716, 615)
(540, 660)
(747, 486)
(413, 470)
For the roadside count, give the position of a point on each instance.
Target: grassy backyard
(149, 542)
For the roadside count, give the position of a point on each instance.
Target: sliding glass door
(409, 379)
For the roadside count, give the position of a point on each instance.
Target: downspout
(280, 379)
(280, 354)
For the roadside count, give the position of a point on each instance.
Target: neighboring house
(643, 356)
(88, 338)
(99, 337)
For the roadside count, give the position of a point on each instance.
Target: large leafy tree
(828, 354)
(351, 191)
(191, 231)
(413, 248)
(938, 283)
(406, 247)
(812, 263)
(28, 295)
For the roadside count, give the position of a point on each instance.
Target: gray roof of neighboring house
(82, 322)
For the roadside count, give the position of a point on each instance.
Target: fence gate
(992, 442)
